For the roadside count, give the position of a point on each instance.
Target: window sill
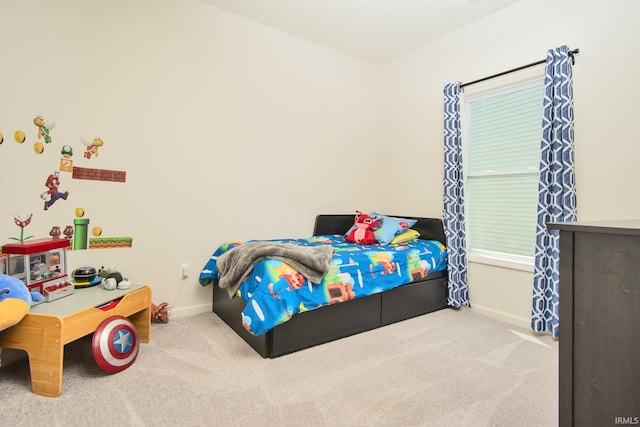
(502, 262)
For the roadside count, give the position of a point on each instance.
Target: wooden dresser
(599, 344)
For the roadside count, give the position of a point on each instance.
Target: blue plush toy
(15, 301)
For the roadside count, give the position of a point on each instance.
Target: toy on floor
(115, 344)
(160, 313)
(15, 301)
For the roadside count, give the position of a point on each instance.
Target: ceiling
(373, 30)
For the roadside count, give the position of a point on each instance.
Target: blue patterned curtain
(556, 190)
(453, 215)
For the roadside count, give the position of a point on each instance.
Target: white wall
(226, 129)
(191, 101)
(606, 91)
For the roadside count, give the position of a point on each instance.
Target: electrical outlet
(185, 270)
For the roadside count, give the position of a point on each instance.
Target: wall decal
(19, 136)
(53, 194)
(38, 147)
(68, 232)
(55, 232)
(99, 174)
(91, 148)
(82, 240)
(110, 242)
(22, 223)
(66, 164)
(43, 128)
(66, 151)
(81, 227)
(79, 233)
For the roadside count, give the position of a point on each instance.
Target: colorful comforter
(275, 291)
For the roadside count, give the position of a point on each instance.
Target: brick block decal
(99, 174)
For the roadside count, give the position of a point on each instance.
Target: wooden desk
(45, 330)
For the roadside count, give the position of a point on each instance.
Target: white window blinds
(503, 156)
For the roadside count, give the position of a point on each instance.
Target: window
(503, 128)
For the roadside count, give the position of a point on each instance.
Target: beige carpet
(449, 368)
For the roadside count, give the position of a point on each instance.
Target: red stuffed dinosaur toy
(363, 228)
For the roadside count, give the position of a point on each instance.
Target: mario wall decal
(53, 193)
(44, 143)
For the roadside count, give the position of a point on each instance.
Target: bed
(425, 293)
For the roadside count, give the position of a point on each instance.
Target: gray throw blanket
(234, 265)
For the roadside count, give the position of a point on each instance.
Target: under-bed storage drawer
(415, 299)
(338, 321)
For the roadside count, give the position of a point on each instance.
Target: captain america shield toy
(115, 344)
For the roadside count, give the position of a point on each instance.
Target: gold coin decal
(19, 136)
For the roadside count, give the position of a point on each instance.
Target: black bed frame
(336, 321)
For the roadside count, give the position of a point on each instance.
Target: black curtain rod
(533, 64)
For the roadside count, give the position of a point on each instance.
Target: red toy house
(41, 264)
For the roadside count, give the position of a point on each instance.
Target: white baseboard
(502, 316)
(186, 311)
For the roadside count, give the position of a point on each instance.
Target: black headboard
(429, 228)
